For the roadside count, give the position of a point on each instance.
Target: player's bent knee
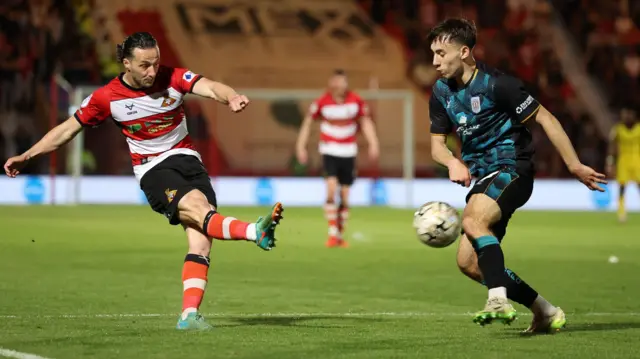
(194, 200)
(193, 207)
(473, 227)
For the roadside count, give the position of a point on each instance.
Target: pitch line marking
(8, 353)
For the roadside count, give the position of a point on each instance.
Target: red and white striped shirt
(340, 121)
(152, 120)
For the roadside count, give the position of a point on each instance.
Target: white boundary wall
(294, 191)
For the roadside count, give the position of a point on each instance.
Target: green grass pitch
(104, 282)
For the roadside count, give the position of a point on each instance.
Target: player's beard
(141, 82)
(146, 82)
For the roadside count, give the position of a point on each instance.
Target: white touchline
(296, 314)
(7, 353)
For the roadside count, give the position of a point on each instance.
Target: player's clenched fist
(459, 173)
(14, 165)
(238, 103)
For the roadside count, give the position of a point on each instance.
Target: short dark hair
(461, 31)
(339, 72)
(138, 40)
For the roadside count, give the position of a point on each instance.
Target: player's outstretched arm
(303, 138)
(221, 93)
(561, 142)
(54, 139)
(369, 131)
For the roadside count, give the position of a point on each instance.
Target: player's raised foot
(335, 241)
(266, 227)
(496, 309)
(193, 321)
(547, 323)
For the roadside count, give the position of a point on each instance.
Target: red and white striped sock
(331, 214)
(194, 281)
(343, 217)
(228, 228)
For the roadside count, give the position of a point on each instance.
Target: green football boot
(496, 309)
(193, 321)
(266, 227)
(547, 323)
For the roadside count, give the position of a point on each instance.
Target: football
(437, 224)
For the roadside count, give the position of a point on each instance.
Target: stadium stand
(77, 37)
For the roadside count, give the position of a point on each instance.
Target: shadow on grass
(514, 333)
(298, 321)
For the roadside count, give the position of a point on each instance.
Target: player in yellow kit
(624, 155)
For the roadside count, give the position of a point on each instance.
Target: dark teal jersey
(488, 115)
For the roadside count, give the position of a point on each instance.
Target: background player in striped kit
(145, 102)
(341, 113)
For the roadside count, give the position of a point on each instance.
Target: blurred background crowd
(40, 39)
(512, 37)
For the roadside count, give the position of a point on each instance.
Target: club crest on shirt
(475, 104)
(168, 101)
(171, 194)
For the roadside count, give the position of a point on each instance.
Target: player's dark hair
(339, 72)
(138, 40)
(460, 31)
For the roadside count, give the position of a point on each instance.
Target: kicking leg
(331, 212)
(194, 279)
(195, 210)
(478, 217)
(546, 316)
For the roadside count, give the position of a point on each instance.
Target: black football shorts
(168, 181)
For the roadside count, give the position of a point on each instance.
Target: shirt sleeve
(94, 110)
(363, 109)
(314, 110)
(440, 123)
(511, 95)
(184, 80)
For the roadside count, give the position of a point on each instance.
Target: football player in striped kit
(146, 103)
(341, 113)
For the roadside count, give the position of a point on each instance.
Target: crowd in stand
(39, 36)
(608, 32)
(510, 39)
